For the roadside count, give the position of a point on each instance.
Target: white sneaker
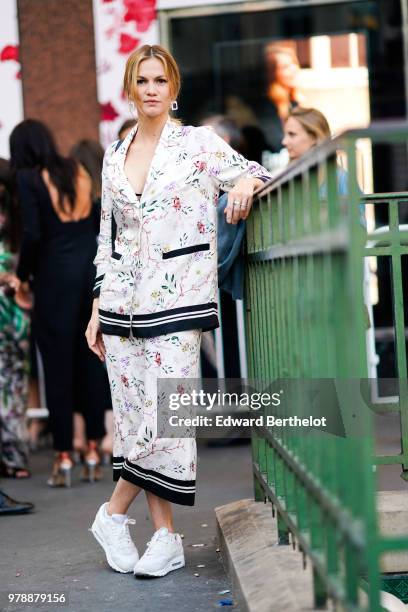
(113, 535)
(164, 554)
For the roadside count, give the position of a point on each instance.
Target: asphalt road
(52, 551)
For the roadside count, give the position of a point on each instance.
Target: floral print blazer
(159, 274)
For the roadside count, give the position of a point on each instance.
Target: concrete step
(392, 508)
(265, 577)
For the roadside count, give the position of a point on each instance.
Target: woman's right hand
(93, 333)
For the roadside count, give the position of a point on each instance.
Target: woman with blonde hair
(155, 292)
(303, 129)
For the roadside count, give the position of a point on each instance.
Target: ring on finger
(236, 202)
(244, 206)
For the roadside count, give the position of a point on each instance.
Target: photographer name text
(260, 421)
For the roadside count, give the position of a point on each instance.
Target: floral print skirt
(164, 466)
(14, 345)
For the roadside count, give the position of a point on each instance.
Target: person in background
(254, 143)
(229, 131)
(304, 129)
(230, 270)
(281, 95)
(89, 153)
(57, 250)
(9, 239)
(14, 343)
(8, 505)
(226, 128)
(37, 415)
(125, 128)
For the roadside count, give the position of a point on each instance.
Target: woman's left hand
(23, 296)
(240, 199)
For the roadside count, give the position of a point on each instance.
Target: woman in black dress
(56, 258)
(89, 154)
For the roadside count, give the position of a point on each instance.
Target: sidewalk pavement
(52, 551)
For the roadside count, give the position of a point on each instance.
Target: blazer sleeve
(104, 251)
(225, 165)
(28, 197)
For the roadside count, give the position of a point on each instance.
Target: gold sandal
(61, 475)
(92, 471)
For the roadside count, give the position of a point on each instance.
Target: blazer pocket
(194, 248)
(116, 255)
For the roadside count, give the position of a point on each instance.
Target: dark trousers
(75, 379)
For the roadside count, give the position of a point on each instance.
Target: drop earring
(174, 105)
(132, 108)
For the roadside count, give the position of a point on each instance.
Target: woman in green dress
(14, 343)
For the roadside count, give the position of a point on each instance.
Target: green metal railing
(306, 320)
(393, 244)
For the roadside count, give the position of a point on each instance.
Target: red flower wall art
(127, 44)
(142, 12)
(121, 27)
(108, 112)
(9, 52)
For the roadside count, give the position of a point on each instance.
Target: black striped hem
(97, 286)
(172, 489)
(202, 316)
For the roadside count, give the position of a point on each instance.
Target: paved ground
(52, 551)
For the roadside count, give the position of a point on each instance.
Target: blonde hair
(313, 122)
(134, 60)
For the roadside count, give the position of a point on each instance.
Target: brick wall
(57, 53)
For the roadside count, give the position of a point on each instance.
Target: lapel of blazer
(158, 163)
(117, 162)
(117, 171)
